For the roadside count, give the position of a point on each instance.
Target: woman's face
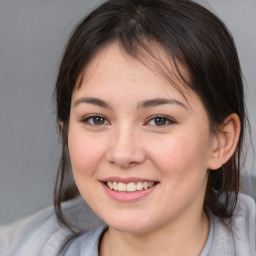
(132, 130)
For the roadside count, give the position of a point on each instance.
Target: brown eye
(160, 121)
(95, 120)
(98, 120)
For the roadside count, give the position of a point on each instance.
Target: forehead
(123, 81)
(153, 64)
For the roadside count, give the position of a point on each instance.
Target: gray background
(32, 36)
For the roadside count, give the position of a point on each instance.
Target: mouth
(130, 187)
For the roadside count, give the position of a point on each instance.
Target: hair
(191, 36)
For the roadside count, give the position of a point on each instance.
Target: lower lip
(128, 196)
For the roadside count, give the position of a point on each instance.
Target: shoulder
(9, 232)
(245, 207)
(30, 236)
(86, 244)
(236, 236)
(41, 234)
(244, 225)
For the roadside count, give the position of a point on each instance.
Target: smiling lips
(129, 187)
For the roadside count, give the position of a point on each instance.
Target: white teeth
(150, 184)
(121, 187)
(130, 187)
(145, 185)
(110, 185)
(139, 186)
(115, 187)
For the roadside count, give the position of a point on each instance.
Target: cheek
(182, 154)
(85, 153)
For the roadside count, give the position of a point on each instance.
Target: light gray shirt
(42, 235)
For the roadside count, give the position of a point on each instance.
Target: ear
(225, 142)
(60, 126)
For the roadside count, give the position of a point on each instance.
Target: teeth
(115, 186)
(145, 185)
(139, 186)
(130, 187)
(110, 185)
(121, 187)
(150, 184)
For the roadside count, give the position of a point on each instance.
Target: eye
(95, 120)
(160, 121)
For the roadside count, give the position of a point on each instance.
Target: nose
(126, 148)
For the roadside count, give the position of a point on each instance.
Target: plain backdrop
(32, 36)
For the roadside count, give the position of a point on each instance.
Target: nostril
(124, 164)
(125, 151)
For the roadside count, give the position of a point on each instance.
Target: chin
(130, 225)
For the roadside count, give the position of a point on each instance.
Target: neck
(180, 239)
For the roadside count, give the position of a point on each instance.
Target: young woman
(151, 113)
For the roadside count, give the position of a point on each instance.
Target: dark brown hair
(190, 35)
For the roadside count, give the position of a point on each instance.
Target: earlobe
(60, 126)
(225, 142)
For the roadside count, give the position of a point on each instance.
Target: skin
(127, 141)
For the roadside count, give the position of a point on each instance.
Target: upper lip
(127, 180)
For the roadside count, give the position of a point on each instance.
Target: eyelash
(93, 118)
(166, 120)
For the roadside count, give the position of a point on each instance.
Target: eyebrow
(160, 101)
(144, 104)
(93, 101)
